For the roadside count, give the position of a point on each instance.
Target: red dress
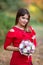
(15, 36)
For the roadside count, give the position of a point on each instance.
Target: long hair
(22, 12)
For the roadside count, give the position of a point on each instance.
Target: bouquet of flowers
(26, 47)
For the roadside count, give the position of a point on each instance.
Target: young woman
(21, 31)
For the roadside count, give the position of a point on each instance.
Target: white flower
(26, 47)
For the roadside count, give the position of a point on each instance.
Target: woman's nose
(26, 20)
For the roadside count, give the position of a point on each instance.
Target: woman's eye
(24, 18)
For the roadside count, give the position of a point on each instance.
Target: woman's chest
(20, 36)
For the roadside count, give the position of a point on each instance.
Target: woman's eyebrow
(24, 17)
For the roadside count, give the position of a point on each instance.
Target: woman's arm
(12, 48)
(8, 44)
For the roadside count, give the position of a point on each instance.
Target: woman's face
(23, 20)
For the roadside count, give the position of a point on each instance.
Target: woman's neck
(19, 26)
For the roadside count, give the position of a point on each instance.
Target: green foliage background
(6, 21)
(11, 5)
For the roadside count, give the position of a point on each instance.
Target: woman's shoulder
(11, 32)
(12, 29)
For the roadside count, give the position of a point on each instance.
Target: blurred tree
(36, 9)
(27, 1)
(39, 3)
(12, 5)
